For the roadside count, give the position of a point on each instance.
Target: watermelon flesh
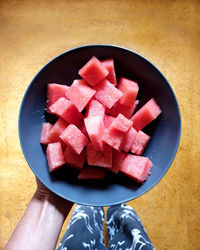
(54, 92)
(57, 129)
(74, 160)
(95, 108)
(108, 120)
(107, 93)
(114, 138)
(122, 109)
(66, 110)
(74, 138)
(129, 140)
(80, 94)
(55, 157)
(118, 158)
(146, 114)
(121, 123)
(140, 143)
(90, 172)
(99, 158)
(44, 137)
(95, 129)
(136, 167)
(93, 71)
(109, 65)
(129, 89)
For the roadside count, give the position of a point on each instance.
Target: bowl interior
(165, 130)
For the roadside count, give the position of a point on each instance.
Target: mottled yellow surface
(165, 32)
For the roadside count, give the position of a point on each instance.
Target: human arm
(40, 226)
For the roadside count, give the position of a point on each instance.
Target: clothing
(85, 230)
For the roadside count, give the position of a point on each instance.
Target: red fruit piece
(67, 111)
(95, 129)
(118, 158)
(55, 157)
(129, 139)
(95, 108)
(113, 138)
(121, 123)
(74, 138)
(140, 143)
(108, 120)
(106, 93)
(129, 89)
(109, 65)
(99, 158)
(54, 92)
(74, 160)
(93, 71)
(136, 167)
(90, 172)
(124, 110)
(44, 137)
(57, 129)
(146, 114)
(80, 94)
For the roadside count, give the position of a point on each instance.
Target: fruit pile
(97, 128)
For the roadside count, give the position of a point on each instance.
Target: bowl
(164, 131)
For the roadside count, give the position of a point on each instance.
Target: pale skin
(40, 226)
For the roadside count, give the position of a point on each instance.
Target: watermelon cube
(57, 129)
(129, 139)
(91, 173)
(129, 89)
(95, 108)
(55, 157)
(54, 92)
(80, 94)
(44, 137)
(74, 138)
(93, 71)
(124, 110)
(136, 167)
(109, 65)
(121, 123)
(74, 160)
(107, 93)
(108, 120)
(95, 129)
(117, 160)
(99, 158)
(113, 137)
(140, 143)
(67, 110)
(146, 114)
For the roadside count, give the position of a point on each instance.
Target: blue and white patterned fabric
(85, 230)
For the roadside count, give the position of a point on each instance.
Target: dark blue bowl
(165, 130)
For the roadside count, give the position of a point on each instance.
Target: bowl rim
(120, 48)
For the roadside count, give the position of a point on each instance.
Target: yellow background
(165, 32)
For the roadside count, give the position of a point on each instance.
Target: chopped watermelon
(74, 138)
(99, 158)
(95, 129)
(90, 172)
(129, 89)
(108, 120)
(54, 92)
(55, 157)
(124, 110)
(80, 94)
(74, 160)
(113, 137)
(117, 160)
(121, 123)
(107, 93)
(67, 110)
(93, 71)
(140, 143)
(136, 167)
(129, 139)
(109, 65)
(95, 108)
(57, 129)
(146, 114)
(44, 137)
